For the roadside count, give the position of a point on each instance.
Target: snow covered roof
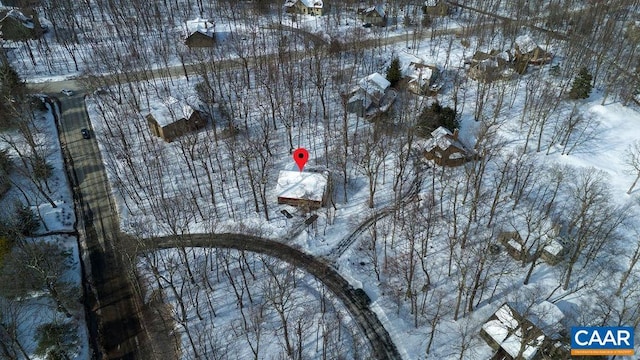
(514, 343)
(547, 316)
(554, 248)
(379, 9)
(525, 43)
(420, 74)
(308, 3)
(407, 61)
(170, 110)
(301, 185)
(374, 84)
(206, 27)
(507, 331)
(443, 139)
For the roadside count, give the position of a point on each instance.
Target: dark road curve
(381, 343)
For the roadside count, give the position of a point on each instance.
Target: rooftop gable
(206, 27)
(171, 110)
(374, 84)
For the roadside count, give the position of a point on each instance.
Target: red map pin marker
(301, 156)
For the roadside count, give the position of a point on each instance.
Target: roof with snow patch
(206, 27)
(302, 185)
(374, 83)
(308, 3)
(443, 139)
(171, 110)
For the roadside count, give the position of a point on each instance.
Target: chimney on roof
(455, 134)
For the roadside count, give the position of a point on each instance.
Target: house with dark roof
(174, 118)
(304, 7)
(490, 66)
(445, 149)
(527, 51)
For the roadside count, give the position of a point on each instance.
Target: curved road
(356, 301)
(117, 312)
(110, 289)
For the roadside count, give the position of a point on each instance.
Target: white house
(367, 94)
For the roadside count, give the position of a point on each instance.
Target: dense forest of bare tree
(286, 89)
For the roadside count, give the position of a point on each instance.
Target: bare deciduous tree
(632, 160)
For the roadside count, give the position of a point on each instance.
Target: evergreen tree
(393, 72)
(56, 341)
(12, 90)
(10, 83)
(581, 87)
(434, 116)
(26, 221)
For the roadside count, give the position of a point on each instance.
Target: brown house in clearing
(445, 149)
(552, 253)
(201, 33)
(374, 15)
(487, 67)
(436, 8)
(306, 190)
(174, 119)
(304, 7)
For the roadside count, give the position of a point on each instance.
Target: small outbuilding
(174, 118)
(552, 253)
(307, 190)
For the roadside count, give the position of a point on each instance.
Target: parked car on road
(67, 92)
(85, 134)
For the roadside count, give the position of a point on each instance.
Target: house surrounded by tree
(201, 33)
(306, 190)
(174, 118)
(369, 93)
(445, 149)
(304, 7)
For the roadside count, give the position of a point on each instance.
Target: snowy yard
(30, 302)
(549, 168)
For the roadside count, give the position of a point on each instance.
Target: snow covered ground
(228, 302)
(38, 307)
(215, 181)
